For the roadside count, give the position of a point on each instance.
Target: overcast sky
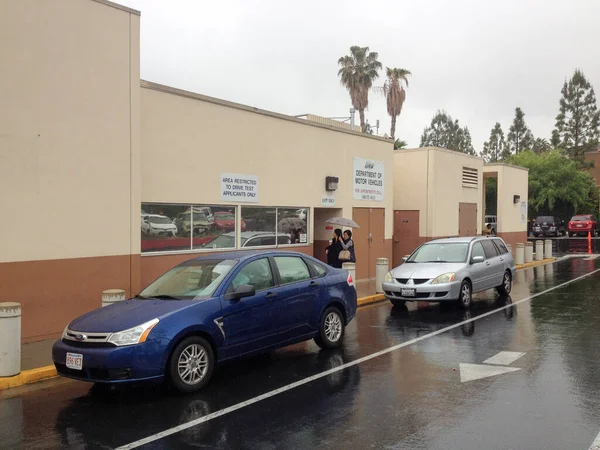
(477, 59)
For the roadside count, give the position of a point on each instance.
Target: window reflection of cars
(225, 221)
(249, 239)
(202, 222)
(157, 225)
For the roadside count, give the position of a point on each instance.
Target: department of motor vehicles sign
(368, 179)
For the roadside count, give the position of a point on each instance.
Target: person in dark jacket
(333, 250)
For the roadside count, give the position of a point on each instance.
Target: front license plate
(408, 293)
(75, 361)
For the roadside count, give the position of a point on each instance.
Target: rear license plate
(75, 361)
(408, 293)
(579, 225)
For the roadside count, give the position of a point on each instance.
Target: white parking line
(273, 393)
(596, 444)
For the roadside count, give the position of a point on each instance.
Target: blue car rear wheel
(332, 328)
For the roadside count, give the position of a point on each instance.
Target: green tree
(394, 93)
(540, 146)
(357, 72)
(578, 122)
(445, 132)
(519, 135)
(556, 184)
(495, 149)
(400, 144)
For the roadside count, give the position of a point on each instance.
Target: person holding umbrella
(347, 254)
(333, 250)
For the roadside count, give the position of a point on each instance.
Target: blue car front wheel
(191, 364)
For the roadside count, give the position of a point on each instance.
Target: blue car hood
(127, 314)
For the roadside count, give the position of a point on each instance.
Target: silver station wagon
(452, 270)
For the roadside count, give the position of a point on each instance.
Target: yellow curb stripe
(370, 299)
(28, 377)
(535, 263)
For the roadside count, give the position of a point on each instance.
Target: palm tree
(394, 93)
(400, 144)
(357, 72)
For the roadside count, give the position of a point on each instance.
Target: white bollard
(111, 296)
(10, 339)
(539, 250)
(381, 269)
(351, 268)
(520, 254)
(548, 248)
(528, 252)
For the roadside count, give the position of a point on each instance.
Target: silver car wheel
(333, 327)
(507, 283)
(193, 364)
(466, 294)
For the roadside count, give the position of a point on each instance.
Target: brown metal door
(360, 236)
(406, 234)
(377, 235)
(467, 219)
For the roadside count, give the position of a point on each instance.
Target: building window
(168, 227)
(172, 227)
(470, 177)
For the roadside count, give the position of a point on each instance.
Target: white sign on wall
(523, 212)
(328, 200)
(368, 180)
(239, 188)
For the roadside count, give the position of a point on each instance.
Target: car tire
(196, 358)
(466, 295)
(506, 286)
(398, 302)
(331, 329)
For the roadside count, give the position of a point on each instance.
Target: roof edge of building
(439, 149)
(512, 166)
(119, 6)
(228, 104)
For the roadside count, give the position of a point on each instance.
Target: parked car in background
(225, 221)
(205, 311)
(249, 239)
(582, 224)
(549, 226)
(451, 269)
(201, 222)
(157, 225)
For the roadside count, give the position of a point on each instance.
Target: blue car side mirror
(243, 290)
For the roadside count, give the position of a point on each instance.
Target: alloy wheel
(333, 327)
(507, 283)
(193, 364)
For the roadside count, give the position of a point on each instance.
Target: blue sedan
(206, 311)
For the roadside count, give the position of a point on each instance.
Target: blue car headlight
(132, 336)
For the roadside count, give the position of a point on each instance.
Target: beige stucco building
(108, 181)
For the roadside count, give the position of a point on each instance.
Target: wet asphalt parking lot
(512, 373)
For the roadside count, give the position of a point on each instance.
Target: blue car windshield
(189, 281)
(452, 252)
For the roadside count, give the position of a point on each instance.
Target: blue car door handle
(313, 284)
(271, 295)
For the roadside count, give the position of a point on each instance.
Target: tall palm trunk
(393, 129)
(363, 125)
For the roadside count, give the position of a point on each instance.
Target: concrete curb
(535, 263)
(28, 377)
(44, 373)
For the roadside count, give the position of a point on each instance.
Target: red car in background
(582, 224)
(225, 221)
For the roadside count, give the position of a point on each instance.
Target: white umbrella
(342, 221)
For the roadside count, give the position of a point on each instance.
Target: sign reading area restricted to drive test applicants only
(239, 188)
